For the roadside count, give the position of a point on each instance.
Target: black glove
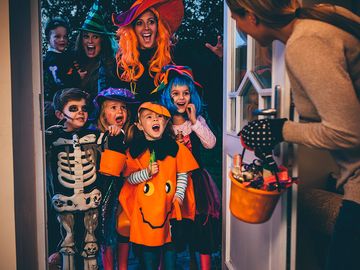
(116, 143)
(262, 135)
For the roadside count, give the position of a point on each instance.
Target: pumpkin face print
(155, 193)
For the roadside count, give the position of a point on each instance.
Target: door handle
(267, 112)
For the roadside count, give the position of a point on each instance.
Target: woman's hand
(114, 130)
(153, 168)
(217, 49)
(262, 135)
(191, 113)
(82, 73)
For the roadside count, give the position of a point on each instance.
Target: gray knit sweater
(323, 64)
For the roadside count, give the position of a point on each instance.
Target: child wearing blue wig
(181, 97)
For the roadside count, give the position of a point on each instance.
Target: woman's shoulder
(310, 29)
(319, 37)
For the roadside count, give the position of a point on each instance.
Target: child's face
(146, 28)
(58, 38)
(75, 113)
(115, 112)
(180, 95)
(152, 124)
(92, 44)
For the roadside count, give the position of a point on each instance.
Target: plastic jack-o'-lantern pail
(252, 205)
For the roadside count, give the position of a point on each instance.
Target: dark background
(203, 22)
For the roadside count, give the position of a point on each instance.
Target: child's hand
(114, 130)
(54, 261)
(82, 73)
(176, 198)
(153, 168)
(191, 112)
(180, 138)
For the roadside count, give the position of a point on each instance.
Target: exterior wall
(21, 167)
(7, 231)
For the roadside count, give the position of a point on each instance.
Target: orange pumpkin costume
(149, 204)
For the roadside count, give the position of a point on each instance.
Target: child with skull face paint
(73, 184)
(157, 186)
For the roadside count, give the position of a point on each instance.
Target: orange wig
(129, 67)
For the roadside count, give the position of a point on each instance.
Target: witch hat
(94, 21)
(171, 12)
(169, 71)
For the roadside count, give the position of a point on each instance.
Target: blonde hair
(278, 13)
(129, 67)
(102, 122)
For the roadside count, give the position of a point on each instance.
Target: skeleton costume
(75, 193)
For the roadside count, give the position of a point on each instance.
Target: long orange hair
(129, 67)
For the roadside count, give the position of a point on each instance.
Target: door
(254, 78)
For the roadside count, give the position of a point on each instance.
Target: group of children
(121, 172)
(150, 165)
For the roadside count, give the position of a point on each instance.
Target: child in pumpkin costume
(181, 97)
(156, 186)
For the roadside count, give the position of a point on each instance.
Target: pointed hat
(171, 12)
(169, 71)
(94, 21)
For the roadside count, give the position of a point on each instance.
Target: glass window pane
(250, 103)
(262, 70)
(233, 114)
(240, 58)
(267, 102)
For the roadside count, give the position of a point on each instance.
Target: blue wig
(181, 80)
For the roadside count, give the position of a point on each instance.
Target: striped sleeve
(138, 177)
(181, 184)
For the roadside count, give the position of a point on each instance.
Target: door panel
(254, 78)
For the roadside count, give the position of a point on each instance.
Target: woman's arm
(320, 70)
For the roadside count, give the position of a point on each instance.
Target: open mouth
(180, 104)
(147, 37)
(156, 127)
(90, 49)
(119, 119)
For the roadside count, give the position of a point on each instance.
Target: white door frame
(270, 239)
